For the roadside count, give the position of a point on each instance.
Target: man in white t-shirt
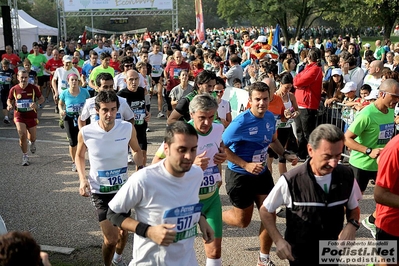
(106, 142)
(60, 77)
(316, 195)
(166, 214)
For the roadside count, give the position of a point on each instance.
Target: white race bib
(112, 180)
(185, 218)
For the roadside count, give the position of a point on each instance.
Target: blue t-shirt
(249, 137)
(86, 71)
(74, 104)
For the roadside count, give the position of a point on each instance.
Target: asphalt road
(43, 198)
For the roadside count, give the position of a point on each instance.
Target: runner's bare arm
(80, 166)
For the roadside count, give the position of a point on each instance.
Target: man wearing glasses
(367, 136)
(60, 80)
(119, 80)
(129, 52)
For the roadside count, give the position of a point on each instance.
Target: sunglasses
(128, 65)
(218, 92)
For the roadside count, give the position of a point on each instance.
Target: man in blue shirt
(248, 180)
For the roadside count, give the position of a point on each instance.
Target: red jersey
(22, 99)
(13, 58)
(116, 66)
(53, 64)
(387, 218)
(173, 72)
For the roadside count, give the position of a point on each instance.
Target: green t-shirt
(373, 129)
(38, 62)
(379, 52)
(99, 69)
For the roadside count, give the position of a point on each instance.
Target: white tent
(29, 29)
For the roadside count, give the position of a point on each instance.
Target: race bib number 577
(185, 218)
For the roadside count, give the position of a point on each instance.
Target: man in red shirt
(25, 99)
(171, 74)
(386, 192)
(53, 64)
(115, 62)
(10, 56)
(247, 44)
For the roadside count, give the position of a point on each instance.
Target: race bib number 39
(210, 180)
(185, 218)
(112, 180)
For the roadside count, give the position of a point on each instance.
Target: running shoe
(47, 100)
(265, 262)
(32, 147)
(40, 106)
(370, 226)
(120, 263)
(148, 129)
(25, 160)
(160, 114)
(56, 110)
(61, 123)
(6, 121)
(74, 167)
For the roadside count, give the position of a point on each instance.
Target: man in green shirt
(38, 62)
(103, 68)
(367, 136)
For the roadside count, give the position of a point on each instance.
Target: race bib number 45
(185, 218)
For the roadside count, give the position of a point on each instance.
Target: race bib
(185, 218)
(139, 115)
(156, 70)
(112, 180)
(176, 73)
(386, 133)
(6, 80)
(259, 156)
(210, 181)
(2, 80)
(36, 68)
(23, 105)
(74, 109)
(64, 85)
(31, 80)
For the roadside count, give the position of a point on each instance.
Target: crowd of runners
(312, 101)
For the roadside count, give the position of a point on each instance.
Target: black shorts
(243, 189)
(283, 135)
(382, 235)
(157, 80)
(46, 78)
(363, 177)
(100, 201)
(72, 130)
(41, 80)
(4, 97)
(168, 100)
(142, 135)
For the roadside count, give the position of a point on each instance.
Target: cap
(349, 86)
(186, 45)
(261, 39)
(373, 95)
(204, 45)
(336, 71)
(67, 58)
(184, 54)
(367, 45)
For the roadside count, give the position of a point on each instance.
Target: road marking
(62, 250)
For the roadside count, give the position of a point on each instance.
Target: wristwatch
(368, 151)
(355, 223)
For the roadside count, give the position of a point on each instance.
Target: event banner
(238, 99)
(95, 5)
(199, 18)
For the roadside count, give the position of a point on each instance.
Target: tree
(301, 14)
